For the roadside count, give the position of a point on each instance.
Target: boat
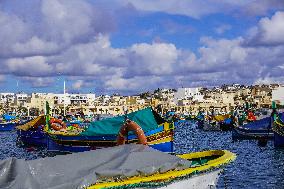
(124, 166)
(8, 122)
(215, 123)
(32, 133)
(259, 129)
(7, 126)
(104, 133)
(278, 129)
(97, 134)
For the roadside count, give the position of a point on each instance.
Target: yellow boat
(204, 173)
(125, 166)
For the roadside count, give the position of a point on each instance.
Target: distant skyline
(133, 46)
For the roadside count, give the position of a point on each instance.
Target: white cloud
(12, 30)
(2, 78)
(136, 83)
(197, 9)
(30, 66)
(50, 27)
(222, 28)
(39, 82)
(152, 59)
(35, 46)
(68, 20)
(71, 38)
(268, 31)
(78, 84)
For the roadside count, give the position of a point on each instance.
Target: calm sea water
(255, 167)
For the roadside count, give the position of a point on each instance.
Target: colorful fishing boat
(7, 126)
(278, 129)
(94, 135)
(104, 133)
(124, 166)
(8, 122)
(259, 129)
(215, 123)
(32, 132)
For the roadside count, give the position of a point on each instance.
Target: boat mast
(64, 109)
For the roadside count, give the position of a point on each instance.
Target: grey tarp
(79, 170)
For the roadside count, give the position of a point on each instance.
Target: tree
(117, 110)
(101, 110)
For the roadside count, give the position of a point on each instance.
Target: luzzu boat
(258, 129)
(125, 166)
(278, 129)
(9, 122)
(32, 132)
(104, 133)
(7, 126)
(215, 123)
(160, 138)
(97, 135)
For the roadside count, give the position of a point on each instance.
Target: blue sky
(131, 46)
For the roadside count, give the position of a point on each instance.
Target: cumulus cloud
(29, 66)
(39, 82)
(152, 59)
(222, 28)
(72, 39)
(269, 31)
(95, 58)
(54, 26)
(197, 9)
(2, 78)
(79, 84)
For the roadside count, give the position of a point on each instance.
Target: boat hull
(241, 133)
(32, 137)
(202, 181)
(159, 139)
(278, 128)
(7, 126)
(202, 175)
(259, 129)
(278, 140)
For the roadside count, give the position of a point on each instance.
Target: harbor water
(255, 167)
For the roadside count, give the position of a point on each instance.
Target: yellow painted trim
(162, 140)
(278, 123)
(225, 158)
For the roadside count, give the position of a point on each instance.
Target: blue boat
(32, 132)
(278, 128)
(258, 129)
(32, 137)
(160, 139)
(7, 126)
(8, 122)
(98, 134)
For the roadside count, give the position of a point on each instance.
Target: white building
(78, 99)
(74, 99)
(278, 95)
(188, 94)
(61, 98)
(7, 97)
(21, 98)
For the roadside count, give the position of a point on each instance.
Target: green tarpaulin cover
(111, 126)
